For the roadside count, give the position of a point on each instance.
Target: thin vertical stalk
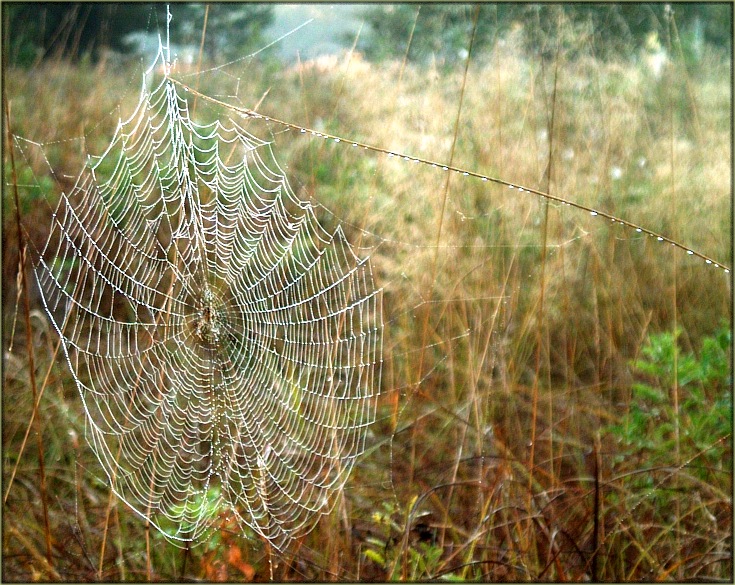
(33, 413)
(199, 61)
(408, 45)
(29, 340)
(148, 567)
(186, 555)
(542, 292)
(435, 260)
(120, 540)
(110, 501)
(675, 388)
(445, 197)
(596, 537)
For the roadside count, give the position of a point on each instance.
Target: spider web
(226, 347)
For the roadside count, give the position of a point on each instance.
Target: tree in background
(441, 31)
(39, 30)
(233, 30)
(36, 31)
(435, 30)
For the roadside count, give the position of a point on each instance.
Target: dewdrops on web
(243, 309)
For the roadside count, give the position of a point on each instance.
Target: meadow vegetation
(557, 390)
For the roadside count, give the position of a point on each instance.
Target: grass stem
(29, 340)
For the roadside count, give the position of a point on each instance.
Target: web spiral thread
(226, 347)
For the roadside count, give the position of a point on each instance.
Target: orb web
(226, 347)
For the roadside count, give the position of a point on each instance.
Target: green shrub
(703, 383)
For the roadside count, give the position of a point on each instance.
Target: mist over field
(330, 31)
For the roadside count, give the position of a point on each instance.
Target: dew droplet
(445, 168)
(593, 213)
(484, 178)
(511, 187)
(690, 252)
(303, 130)
(336, 140)
(708, 261)
(660, 239)
(639, 230)
(465, 174)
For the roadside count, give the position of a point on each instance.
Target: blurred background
(41, 30)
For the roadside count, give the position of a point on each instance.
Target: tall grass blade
(29, 342)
